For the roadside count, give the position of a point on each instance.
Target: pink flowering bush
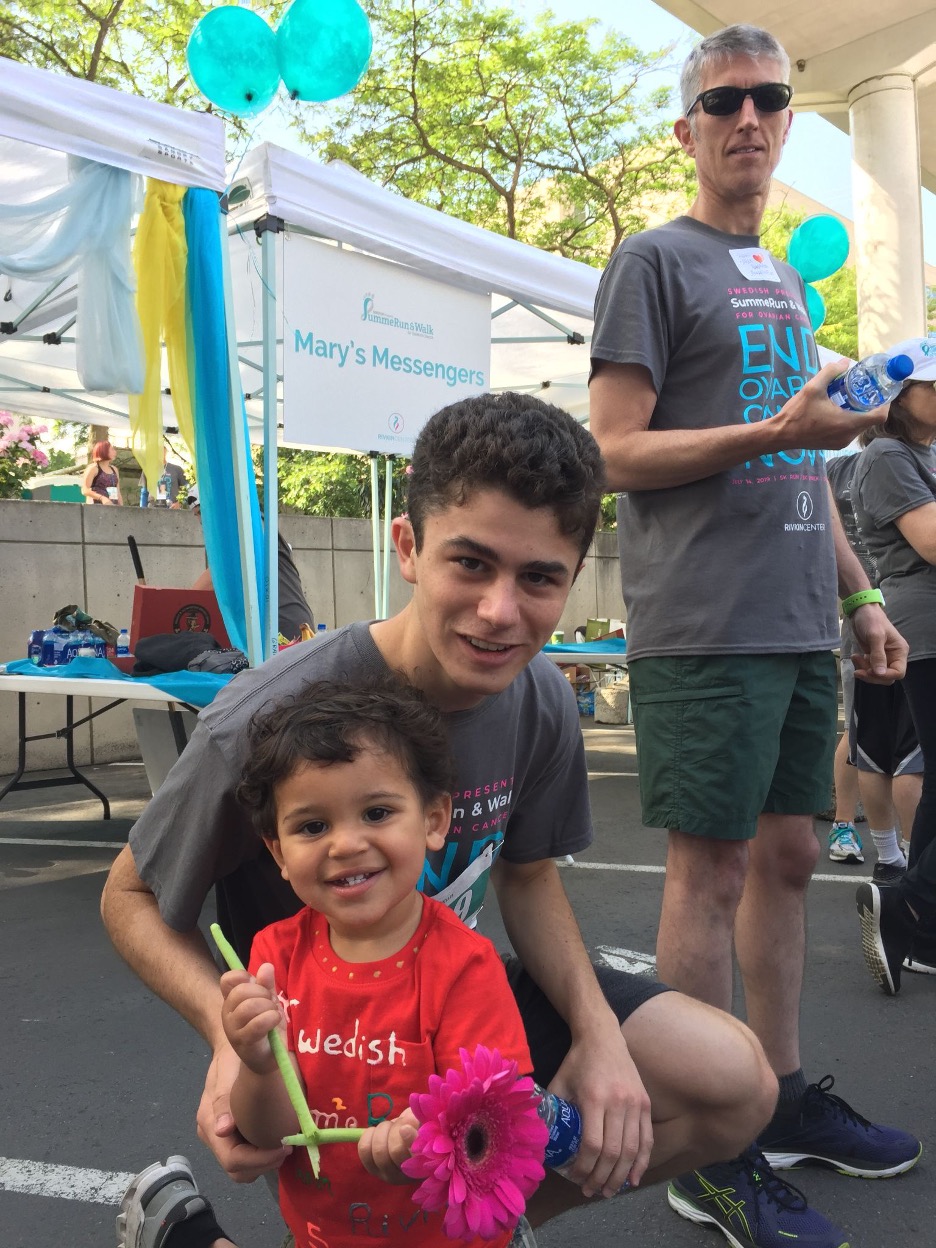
(479, 1149)
(20, 456)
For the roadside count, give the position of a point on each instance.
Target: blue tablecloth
(585, 648)
(195, 688)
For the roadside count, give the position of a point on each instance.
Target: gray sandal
(158, 1198)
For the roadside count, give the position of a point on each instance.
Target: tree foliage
(325, 483)
(540, 131)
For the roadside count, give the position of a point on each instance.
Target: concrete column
(888, 211)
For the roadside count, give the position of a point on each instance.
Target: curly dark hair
(533, 451)
(333, 721)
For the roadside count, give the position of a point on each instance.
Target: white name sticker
(755, 264)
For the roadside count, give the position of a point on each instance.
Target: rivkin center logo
(373, 316)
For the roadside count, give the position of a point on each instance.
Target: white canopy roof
(44, 119)
(80, 118)
(337, 202)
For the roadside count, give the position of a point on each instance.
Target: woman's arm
(918, 527)
(89, 474)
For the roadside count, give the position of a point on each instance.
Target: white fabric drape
(83, 228)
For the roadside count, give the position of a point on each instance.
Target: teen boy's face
(490, 584)
(352, 841)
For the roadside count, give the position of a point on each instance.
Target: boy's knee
(743, 1094)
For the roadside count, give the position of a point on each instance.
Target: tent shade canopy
(81, 118)
(336, 202)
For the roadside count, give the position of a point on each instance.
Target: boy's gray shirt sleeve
(193, 832)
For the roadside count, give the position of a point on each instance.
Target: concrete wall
(52, 554)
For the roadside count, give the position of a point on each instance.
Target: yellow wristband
(861, 599)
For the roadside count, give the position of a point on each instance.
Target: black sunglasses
(768, 97)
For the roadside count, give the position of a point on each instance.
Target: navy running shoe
(752, 1206)
(829, 1132)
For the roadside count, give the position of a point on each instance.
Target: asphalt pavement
(98, 1078)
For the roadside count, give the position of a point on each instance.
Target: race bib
(465, 894)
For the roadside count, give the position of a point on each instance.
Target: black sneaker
(922, 956)
(829, 1132)
(888, 872)
(885, 934)
(751, 1206)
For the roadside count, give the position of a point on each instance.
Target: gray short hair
(731, 41)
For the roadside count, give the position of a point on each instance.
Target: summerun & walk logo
(373, 316)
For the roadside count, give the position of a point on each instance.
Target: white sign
(372, 349)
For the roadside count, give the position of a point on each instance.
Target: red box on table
(157, 610)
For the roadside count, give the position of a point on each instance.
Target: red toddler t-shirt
(366, 1035)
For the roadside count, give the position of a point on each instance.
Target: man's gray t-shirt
(890, 479)
(521, 792)
(177, 483)
(743, 561)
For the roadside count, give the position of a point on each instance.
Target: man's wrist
(863, 598)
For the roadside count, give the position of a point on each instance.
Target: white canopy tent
(46, 118)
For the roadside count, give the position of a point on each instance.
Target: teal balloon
(818, 248)
(231, 56)
(323, 47)
(815, 306)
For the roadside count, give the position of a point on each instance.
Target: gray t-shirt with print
(890, 479)
(521, 792)
(743, 561)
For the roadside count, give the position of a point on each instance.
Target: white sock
(885, 842)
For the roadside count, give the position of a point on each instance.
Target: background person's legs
(701, 893)
(770, 933)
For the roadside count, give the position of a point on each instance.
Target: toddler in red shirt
(373, 985)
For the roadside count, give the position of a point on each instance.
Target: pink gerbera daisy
(479, 1149)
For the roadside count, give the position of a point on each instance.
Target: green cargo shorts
(723, 738)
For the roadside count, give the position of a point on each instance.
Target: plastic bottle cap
(899, 367)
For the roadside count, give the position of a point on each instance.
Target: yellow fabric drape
(159, 257)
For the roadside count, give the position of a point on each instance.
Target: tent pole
(375, 531)
(242, 465)
(270, 472)
(388, 510)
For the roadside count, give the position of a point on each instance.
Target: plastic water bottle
(123, 644)
(321, 628)
(34, 645)
(54, 641)
(872, 381)
(565, 1129)
(87, 649)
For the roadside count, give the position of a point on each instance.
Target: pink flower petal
(479, 1149)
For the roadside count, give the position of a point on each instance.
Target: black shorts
(547, 1033)
(885, 739)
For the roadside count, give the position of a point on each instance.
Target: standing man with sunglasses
(711, 412)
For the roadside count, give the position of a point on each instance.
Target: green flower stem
(311, 1136)
(328, 1135)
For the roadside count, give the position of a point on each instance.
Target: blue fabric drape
(214, 452)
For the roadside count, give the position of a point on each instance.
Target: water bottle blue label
(565, 1135)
